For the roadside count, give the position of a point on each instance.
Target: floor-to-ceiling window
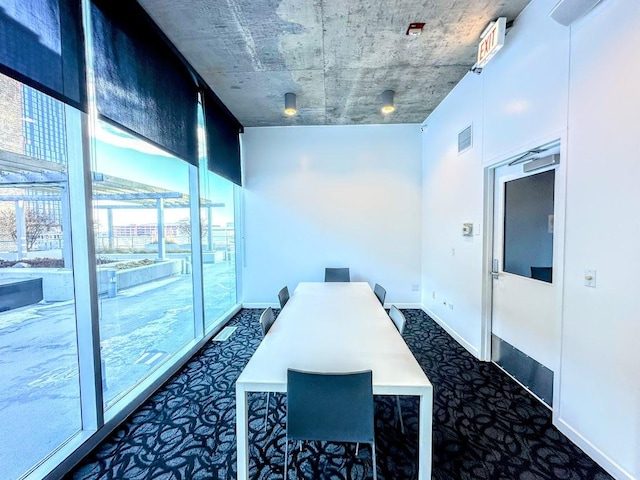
(142, 232)
(39, 374)
(217, 209)
(218, 245)
(116, 258)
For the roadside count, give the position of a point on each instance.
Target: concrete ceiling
(337, 56)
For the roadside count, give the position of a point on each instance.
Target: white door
(524, 324)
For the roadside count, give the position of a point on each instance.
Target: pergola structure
(50, 181)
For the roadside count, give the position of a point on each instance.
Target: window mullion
(196, 252)
(84, 277)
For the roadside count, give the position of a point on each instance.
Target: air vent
(224, 334)
(464, 139)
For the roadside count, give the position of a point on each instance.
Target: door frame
(489, 170)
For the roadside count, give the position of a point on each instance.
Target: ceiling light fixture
(387, 102)
(415, 29)
(290, 104)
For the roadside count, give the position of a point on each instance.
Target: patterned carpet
(484, 426)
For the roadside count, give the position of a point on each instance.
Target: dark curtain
(142, 84)
(223, 140)
(41, 45)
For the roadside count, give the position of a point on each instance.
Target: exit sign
(491, 41)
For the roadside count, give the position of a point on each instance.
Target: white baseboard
(456, 336)
(277, 305)
(260, 305)
(602, 459)
(387, 305)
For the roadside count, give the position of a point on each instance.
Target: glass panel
(141, 215)
(218, 239)
(528, 226)
(39, 376)
(218, 246)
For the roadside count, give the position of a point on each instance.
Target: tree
(184, 227)
(36, 224)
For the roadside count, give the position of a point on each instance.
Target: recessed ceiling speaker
(568, 11)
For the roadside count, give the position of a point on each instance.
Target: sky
(122, 155)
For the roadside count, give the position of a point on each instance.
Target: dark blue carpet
(485, 426)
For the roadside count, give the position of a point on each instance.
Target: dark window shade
(141, 84)
(223, 141)
(42, 45)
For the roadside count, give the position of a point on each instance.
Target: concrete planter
(57, 283)
(135, 276)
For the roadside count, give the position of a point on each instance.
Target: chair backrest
(398, 318)
(542, 273)
(283, 296)
(336, 275)
(380, 292)
(330, 406)
(266, 320)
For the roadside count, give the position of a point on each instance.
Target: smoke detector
(415, 29)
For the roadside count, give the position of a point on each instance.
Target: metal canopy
(20, 171)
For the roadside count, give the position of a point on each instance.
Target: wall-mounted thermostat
(467, 229)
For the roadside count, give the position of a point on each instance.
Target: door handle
(495, 269)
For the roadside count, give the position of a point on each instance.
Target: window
(217, 211)
(528, 226)
(218, 246)
(140, 219)
(39, 371)
(143, 247)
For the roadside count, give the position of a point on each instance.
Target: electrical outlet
(415, 288)
(453, 252)
(433, 295)
(450, 306)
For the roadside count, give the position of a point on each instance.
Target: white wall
(525, 85)
(332, 196)
(600, 364)
(452, 195)
(578, 84)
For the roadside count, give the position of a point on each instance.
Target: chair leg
(400, 413)
(286, 460)
(357, 446)
(266, 410)
(373, 458)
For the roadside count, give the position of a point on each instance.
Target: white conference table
(335, 327)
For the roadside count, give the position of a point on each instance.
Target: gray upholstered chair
(398, 318)
(542, 273)
(399, 321)
(336, 275)
(381, 293)
(334, 407)
(283, 296)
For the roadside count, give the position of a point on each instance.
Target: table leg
(242, 432)
(425, 435)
